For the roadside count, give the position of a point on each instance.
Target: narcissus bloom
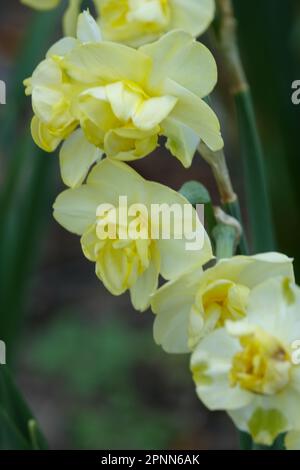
(247, 367)
(137, 22)
(131, 262)
(198, 302)
(123, 98)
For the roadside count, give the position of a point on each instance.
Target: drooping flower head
(124, 259)
(190, 307)
(247, 367)
(123, 99)
(137, 22)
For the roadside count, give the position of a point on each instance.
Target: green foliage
(18, 429)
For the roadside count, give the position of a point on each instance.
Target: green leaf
(17, 430)
(261, 222)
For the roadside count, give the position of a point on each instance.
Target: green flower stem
(217, 162)
(234, 209)
(261, 224)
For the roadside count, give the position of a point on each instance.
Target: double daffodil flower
(192, 306)
(123, 99)
(247, 367)
(129, 262)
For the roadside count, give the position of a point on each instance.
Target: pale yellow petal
(87, 28)
(181, 140)
(124, 102)
(123, 144)
(76, 157)
(196, 114)
(62, 47)
(146, 284)
(172, 304)
(43, 137)
(177, 56)
(176, 259)
(113, 178)
(281, 297)
(192, 16)
(48, 73)
(177, 255)
(75, 209)
(152, 111)
(265, 266)
(107, 62)
(112, 270)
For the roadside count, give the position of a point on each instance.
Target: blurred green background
(84, 360)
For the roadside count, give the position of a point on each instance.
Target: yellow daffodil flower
(128, 263)
(247, 367)
(192, 306)
(123, 98)
(136, 22)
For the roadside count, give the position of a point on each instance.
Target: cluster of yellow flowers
(240, 318)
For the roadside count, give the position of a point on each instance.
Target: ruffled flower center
(215, 303)
(121, 117)
(155, 12)
(263, 366)
(122, 252)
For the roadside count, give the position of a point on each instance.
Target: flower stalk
(226, 234)
(229, 199)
